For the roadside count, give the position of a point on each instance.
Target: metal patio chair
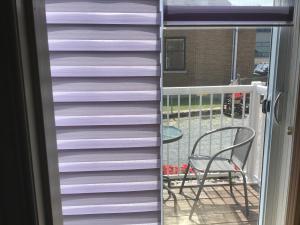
(233, 161)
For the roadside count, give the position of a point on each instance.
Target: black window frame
(184, 54)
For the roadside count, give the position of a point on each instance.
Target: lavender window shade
(105, 70)
(220, 12)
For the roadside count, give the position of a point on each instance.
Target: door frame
(37, 99)
(292, 216)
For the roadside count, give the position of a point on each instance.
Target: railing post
(254, 113)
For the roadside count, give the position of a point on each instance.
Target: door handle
(276, 104)
(266, 105)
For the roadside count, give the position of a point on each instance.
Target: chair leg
(197, 197)
(184, 178)
(230, 182)
(246, 194)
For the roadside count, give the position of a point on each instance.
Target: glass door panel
(220, 77)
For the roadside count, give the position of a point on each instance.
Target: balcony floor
(216, 206)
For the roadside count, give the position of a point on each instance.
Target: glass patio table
(170, 134)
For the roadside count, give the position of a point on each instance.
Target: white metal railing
(195, 110)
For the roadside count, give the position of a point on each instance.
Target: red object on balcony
(238, 96)
(173, 169)
(170, 169)
(184, 167)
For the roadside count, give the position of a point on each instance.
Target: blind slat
(107, 120)
(108, 143)
(103, 18)
(108, 165)
(104, 45)
(105, 71)
(109, 209)
(106, 96)
(110, 187)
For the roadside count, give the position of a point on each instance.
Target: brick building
(202, 57)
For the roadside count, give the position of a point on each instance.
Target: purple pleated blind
(105, 66)
(230, 12)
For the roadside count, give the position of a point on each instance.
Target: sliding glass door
(227, 65)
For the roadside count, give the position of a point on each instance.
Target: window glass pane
(174, 53)
(175, 61)
(175, 44)
(212, 56)
(225, 77)
(263, 44)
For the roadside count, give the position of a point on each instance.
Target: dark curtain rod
(229, 13)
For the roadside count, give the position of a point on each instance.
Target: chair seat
(199, 163)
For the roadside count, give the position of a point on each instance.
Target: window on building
(263, 42)
(174, 54)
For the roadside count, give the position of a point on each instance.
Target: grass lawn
(194, 102)
(174, 108)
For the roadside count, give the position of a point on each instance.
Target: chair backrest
(239, 155)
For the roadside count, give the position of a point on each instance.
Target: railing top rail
(262, 90)
(208, 89)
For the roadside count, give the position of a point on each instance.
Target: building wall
(246, 55)
(209, 57)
